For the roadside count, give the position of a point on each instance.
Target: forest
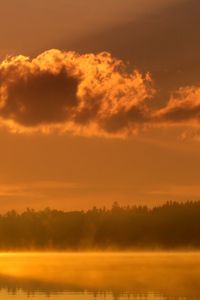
(170, 226)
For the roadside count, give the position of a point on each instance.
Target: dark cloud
(40, 98)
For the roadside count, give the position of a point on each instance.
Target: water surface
(87, 276)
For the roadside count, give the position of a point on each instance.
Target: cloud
(182, 108)
(91, 94)
(81, 94)
(183, 191)
(38, 188)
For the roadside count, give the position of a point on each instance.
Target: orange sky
(83, 130)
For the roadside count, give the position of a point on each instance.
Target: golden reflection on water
(167, 274)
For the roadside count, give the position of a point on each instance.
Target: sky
(99, 102)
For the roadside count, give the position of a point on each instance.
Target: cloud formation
(85, 95)
(73, 93)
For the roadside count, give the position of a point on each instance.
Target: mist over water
(100, 275)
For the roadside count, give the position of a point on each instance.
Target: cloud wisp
(182, 108)
(91, 94)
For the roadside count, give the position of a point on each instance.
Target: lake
(88, 276)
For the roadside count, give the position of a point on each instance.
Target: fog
(171, 274)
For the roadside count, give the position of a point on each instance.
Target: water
(110, 276)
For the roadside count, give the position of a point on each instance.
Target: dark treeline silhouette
(170, 226)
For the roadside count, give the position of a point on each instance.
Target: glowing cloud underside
(87, 94)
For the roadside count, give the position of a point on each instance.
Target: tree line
(170, 226)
